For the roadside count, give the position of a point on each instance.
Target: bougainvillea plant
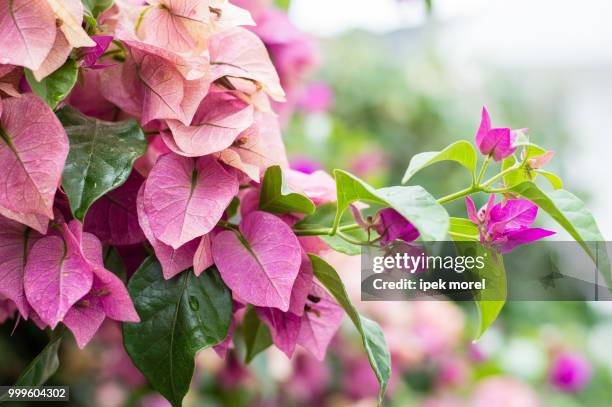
(145, 132)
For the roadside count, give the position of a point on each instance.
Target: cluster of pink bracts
(201, 86)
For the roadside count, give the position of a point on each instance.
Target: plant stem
(498, 176)
(325, 231)
(482, 170)
(457, 194)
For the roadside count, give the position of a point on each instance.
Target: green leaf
(493, 298)
(55, 87)
(371, 334)
(340, 245)
(515, 176)
(96, 7)
(463, 230)
(571, 213)
(179, 317)
(282, 4)
(276, 197)
(490, 301)
(554, 179)
(323, 217)
(100, 159)
(462, 152)
(44, 365)
(257, 336)
(412, 202)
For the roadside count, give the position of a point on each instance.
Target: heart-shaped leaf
(371, 334)
(28, 32)
(57, 86)
(101, 157)
(184, 198)
(31, 165)
(461, 151)
(414, 203)
(15, 243)
(179, 317)
(56, 276)
(260, 264)
(276, 197)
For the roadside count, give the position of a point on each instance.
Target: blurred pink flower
(316, 97)
(368, 163)
(504, 392)
(453, 372)
(442, 402)
(570, 372)
(154, 400)
(304, 164)
(360, 382)
(310, 377)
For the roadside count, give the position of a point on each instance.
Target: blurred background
(370, 84)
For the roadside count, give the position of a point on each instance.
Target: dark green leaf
(571, 213)
(257, 337)
(371, 334)
(179, 317)
(55, 87)
(276, 197)
(462, 152)
(100, 158)
(44, 365)
(413, 202)
(114, 263)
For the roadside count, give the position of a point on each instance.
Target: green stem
(457, 194)
(482, 170)
(498, 176)
(325, 231)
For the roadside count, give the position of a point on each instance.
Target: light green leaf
(282, 4)
(412, 202)
(490, 301)
(100, 159)
(55, 87)
(571, 213)
(371, 334)
(256, 335)
(276, 197)
(462, 152)
(554, 179)
(179, 317)
(463, 230)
